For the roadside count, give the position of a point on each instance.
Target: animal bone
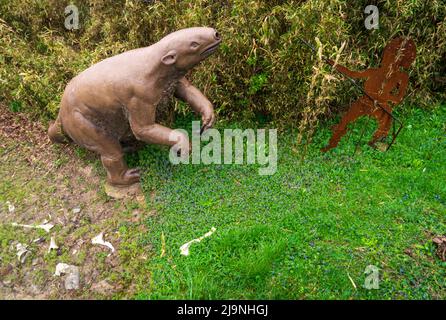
(185, 247)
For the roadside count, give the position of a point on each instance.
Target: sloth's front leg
(144, 128)
(197, 100)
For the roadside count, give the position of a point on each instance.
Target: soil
(54, 183)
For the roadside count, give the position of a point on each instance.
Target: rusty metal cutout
(384, 88)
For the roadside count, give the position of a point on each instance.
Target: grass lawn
(310, 230)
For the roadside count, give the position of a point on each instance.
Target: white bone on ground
(45, 226)
(22, 252)
(53, 245)
(99, 239)
(11, 207)
(72, 272)
(185, 247)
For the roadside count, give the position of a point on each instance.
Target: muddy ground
(64, 186)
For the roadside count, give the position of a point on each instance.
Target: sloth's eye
(194, 45)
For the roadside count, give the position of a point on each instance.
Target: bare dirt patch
(41, 182)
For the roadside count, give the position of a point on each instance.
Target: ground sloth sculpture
(114, 101)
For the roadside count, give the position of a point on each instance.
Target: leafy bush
(261, 68)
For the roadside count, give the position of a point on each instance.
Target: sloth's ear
(170, 58)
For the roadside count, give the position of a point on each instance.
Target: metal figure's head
(400, 52)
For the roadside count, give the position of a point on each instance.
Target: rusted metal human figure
(114, 102)
(384, 86)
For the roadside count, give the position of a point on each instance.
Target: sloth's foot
(131, 176)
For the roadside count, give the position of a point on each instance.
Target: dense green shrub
(261, 69)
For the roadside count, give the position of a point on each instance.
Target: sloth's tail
(55, 132)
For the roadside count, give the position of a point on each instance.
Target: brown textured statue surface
(386, 84)
(114, 102)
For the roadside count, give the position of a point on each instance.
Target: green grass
(305, 231)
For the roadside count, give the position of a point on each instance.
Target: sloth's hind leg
(94, 138)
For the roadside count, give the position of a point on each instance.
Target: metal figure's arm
(352, 74)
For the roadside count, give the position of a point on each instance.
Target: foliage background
(262, 70)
